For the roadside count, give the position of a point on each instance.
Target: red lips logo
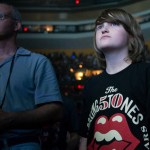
(113, 134)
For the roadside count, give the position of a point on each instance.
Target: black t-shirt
(117, 110)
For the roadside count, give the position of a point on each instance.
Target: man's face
(7, 23)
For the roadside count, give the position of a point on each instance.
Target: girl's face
(111, 36)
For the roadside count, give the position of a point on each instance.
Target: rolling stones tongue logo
(113, 134)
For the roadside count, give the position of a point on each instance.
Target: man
(116, 110)
(29, 93)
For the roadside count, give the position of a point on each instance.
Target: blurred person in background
(64, 134)
(116, 113)
(29, 92)
(69, 127)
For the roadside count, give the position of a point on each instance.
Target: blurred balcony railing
(70, 27)
(70, 5)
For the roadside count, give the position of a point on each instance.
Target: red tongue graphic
(116, 122)
(116, 145)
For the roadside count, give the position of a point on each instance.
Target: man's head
(10, 20)
(136, 40)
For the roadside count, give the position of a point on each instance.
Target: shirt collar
(23, 52)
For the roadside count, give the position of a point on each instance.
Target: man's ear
(18, 26)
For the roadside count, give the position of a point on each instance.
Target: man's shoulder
(25, 52)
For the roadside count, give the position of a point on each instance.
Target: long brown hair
(136, 41)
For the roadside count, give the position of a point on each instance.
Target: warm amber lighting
(79, 75)
(96, 72)
(86, 73)
(89, 73)
(71, 70)
(80, 66)
(49, 28)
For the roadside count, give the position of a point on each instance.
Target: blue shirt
(32, 82)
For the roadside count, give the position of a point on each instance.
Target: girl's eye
(114, 24)
(99, 27)
(108, 24)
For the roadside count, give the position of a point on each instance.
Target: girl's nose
(105, 27)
